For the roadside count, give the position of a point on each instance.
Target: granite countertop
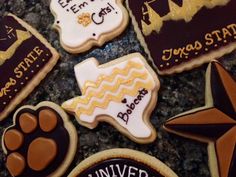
(178, 93)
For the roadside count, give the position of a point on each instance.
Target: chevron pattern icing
(111, 89)
(121, 92)
(110, 78)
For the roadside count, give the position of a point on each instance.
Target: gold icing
(110, 78)
(99, 93)
(108, 98)
(110, 88)
(84, 19)
(188, 10)
(21, 37)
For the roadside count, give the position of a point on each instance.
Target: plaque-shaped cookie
(88, 23)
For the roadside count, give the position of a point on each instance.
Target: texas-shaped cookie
(83, 24)
(122, 92)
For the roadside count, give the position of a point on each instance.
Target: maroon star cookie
(180, 34)
(215, 123)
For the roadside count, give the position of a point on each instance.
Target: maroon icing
(212, 131)
(7, 36)
(12, 79)
(116, 166)
(178, 34)
(59, 135)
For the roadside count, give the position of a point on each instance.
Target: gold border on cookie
(122, 163)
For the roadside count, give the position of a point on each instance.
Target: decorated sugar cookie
(182, 34)
(42, 142)
(83, 24)
(122, 163)
(25, 59)
(214, 123)
(122, 92)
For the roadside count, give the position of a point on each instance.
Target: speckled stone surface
(178, 93)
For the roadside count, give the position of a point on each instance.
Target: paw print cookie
(122, 92)
(42, 142)
(88, 23)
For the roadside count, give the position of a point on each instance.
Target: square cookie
(25, 59)
(179, 35)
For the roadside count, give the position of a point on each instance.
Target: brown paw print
(37, 144)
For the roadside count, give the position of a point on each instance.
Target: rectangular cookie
(179, 35)
(25, 59)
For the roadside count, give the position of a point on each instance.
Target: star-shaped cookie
(215, 123)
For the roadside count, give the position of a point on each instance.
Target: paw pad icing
(39, 143)
(83, 24)
(122, 92)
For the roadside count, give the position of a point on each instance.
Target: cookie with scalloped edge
(88, 23)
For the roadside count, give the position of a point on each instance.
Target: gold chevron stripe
(108, 98)
(109, 88)
(124, 71)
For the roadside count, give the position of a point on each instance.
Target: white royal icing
(104, 17)
(117, 110)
